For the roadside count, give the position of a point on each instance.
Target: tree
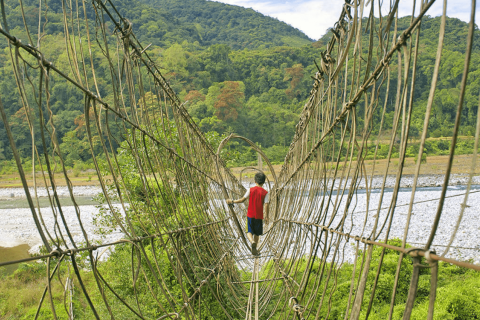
(295, 75)
(2, 151)
(174, 60)
(21, 131)
(218, 63)
(229, 101)
(194, 96)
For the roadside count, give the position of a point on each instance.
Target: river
(18, 234)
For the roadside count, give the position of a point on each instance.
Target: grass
(458, 295)
(21, 291)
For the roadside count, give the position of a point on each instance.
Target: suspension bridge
(323, 205)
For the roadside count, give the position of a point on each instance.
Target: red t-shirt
(255, 202)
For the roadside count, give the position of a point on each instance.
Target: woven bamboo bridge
(323, 209)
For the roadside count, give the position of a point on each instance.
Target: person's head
(260, 178)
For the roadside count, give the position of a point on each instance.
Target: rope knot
(407, 252)
(47, 63)
(293, 301)
(127, 29)
(429, 258)
(385, 62)
(16, 42)
(401, 39)
(91, 95)
(55, 252)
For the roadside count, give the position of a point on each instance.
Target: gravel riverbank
(406, 182)
(466, 239)
(17, 225)
(81, 191)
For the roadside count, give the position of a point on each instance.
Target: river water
(13, 253)
(17, 203)
(18, 234)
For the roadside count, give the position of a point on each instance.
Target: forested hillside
(165, 22)
(237, 70)
(236, 26)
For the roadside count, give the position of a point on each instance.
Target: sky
(314, 17)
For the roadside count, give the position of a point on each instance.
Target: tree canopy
(237, 70)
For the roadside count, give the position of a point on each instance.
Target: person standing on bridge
(257, 198)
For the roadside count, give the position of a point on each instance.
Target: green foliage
(20, 293)
(458, 290)
(217, 23)
(457, 300)
(458, 293)
(240, 72)
(276, 154)
(171, 252)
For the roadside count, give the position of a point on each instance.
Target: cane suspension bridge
(185, 181)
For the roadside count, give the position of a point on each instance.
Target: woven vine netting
(164, 185)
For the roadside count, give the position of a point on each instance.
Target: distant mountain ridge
(166, 22)
(238, 27)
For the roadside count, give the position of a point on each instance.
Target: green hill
(233, 25)
(238, 70)
(165, 22)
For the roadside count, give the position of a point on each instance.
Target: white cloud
(314, 17)
(455, 9)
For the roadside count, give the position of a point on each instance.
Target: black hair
(260, 178)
